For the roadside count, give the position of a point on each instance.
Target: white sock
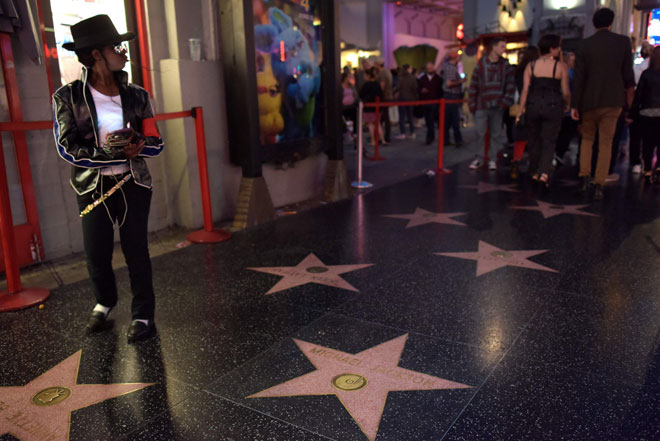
(146, 322)
(100, 308)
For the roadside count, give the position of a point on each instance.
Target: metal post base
(203, 236)
(24, 299)
(361, 184)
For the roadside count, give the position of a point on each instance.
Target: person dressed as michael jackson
(104, 126)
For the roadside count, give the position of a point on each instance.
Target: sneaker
(614, 177)
(637, 169)
(492, 165)
(401, 137)
(413, 136)
(475, 164)
(598, 192)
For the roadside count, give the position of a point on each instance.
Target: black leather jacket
(77, 135)
(647, 94)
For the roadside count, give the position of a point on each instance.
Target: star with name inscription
(41, 410)
(490, 258)
(487, 187)
(421, 217)
(551, 210)
(311, 270)
(360, 381)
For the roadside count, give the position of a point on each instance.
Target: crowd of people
(374, 82)
(549, 99)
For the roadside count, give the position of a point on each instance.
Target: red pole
(441, 138)
(20, 142)
(15, 297)
(208, 234)
(143, 43)
(7, 231)
(42, 29)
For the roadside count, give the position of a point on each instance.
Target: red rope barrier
(441, 124)
(18, 297)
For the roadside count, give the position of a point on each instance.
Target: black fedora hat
(94, 32)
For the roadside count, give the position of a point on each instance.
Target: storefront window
(289, 53)
(69, 12)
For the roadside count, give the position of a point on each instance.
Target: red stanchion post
(16, 297)
(441, 138)
(208, 234)
(143, 40)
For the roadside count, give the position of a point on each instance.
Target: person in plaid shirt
(491, 91)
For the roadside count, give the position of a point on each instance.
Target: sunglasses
(120, 48)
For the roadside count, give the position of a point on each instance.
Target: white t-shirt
(110, 118)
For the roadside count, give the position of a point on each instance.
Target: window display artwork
(288, 52)
(654, 27)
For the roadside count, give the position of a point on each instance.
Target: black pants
(543, 121)
(385, 119)
(650, 140)
(431, 117)
(635, 145)
(453, 118)
(568, 131)
(98, 239)
(350, 114)
(406, 116)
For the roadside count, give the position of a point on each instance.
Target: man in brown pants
(603, 83)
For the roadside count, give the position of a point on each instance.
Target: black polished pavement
(566, 355)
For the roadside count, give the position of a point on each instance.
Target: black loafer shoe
(96, 321)
(584, 184)
(139, 331)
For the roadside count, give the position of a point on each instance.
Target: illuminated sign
(653, 32)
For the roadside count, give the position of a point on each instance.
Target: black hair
(603, 18)
(494, 41)
(85, 57)
(547, 42)
(529, 54)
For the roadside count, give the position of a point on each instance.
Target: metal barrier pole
(360, 183)
(15, 297)
(441, 138)
(376, 156)
(208, 234)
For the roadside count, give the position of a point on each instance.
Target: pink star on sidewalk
(311, 270)
(41, 410)
(490, 258)
(550, 210)
(421, 217)
(361, 381)
(487, 187)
